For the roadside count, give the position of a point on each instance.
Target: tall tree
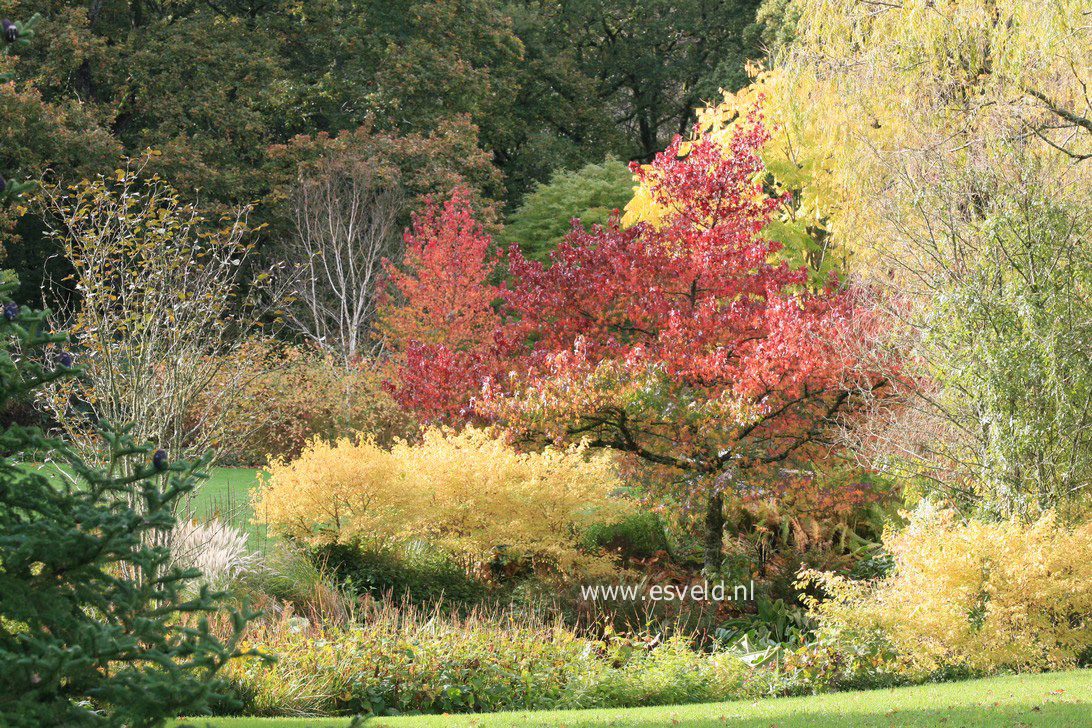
(950, 144)
(346, 215)
(441, 306)
(652, 61)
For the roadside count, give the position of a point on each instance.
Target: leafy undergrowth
(1049, 699)
(404, 660)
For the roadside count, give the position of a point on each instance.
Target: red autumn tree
(684, 342)
(438, 316)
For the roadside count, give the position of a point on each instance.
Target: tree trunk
(714, 532)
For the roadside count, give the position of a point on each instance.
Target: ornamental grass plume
(218, 550)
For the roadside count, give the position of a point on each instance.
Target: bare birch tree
(346, 216)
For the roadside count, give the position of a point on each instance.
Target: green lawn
(1054, 699)
(225, 495)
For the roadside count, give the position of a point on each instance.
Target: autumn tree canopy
(683, 341)
(951, 164)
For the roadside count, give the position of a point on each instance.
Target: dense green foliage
(638, 536)
(413, 573)
(647, 64)
(590, 194)
(219, 87)
(94, 626)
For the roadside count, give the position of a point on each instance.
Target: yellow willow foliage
(869, 98)
(468, 493)
(986, 596)
(887, 99)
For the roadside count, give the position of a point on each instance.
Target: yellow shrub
(468, 493)
(983, 596)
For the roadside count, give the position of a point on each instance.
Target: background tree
(419, 166)
(215, 86)
(40, 139)
(346, 214)
(963, 210)
(591, 194)
(652, 62)
(160, 307)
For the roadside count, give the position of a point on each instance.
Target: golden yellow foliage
(984, 596)
(868, 95)
(468, 493)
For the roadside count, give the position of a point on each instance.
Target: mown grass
(225, 495)
(1051, 699)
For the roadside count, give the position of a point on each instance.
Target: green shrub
(670, 674)
(638, 536)
(412, 573)
(841, 662)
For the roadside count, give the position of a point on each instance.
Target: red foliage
(439, 384)
(440, 313)
(682, 341)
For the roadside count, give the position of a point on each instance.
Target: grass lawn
(1054, 699)
(225, 495)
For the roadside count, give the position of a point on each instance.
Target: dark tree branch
(1081, 121)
